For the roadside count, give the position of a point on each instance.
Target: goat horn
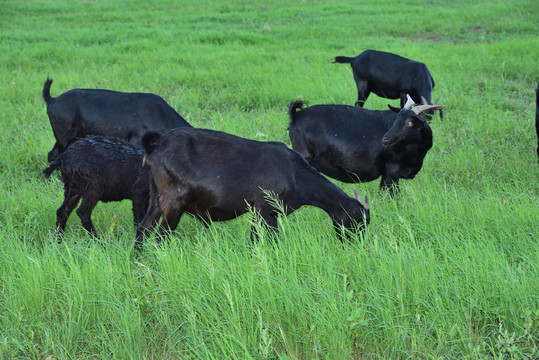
(366, 205)
(409, 102)
(436, 101)
(419, 109)
(424, 101)
(358, 198)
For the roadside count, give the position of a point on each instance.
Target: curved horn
(436, 101)
(409, 102)
(419, 109)
(424, 101)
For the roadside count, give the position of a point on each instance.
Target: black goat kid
(100, 169)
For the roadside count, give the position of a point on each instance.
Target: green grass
(448, 270)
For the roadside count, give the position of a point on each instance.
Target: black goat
(81, 112)
(389, 76)
(353, 144)
(217, 176)
(100, 169)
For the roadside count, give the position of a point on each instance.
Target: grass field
(448, 270)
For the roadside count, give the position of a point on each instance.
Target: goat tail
(52, 167)
(343, 60)
(47, 91)
(150, 141)
(293, 109)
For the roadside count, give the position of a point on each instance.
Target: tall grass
(449, 269)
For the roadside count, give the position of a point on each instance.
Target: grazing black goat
(100, 169)
(389, 76)
(217, 176)
(81, 112)
(353, 144)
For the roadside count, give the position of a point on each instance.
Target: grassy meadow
(448, 270)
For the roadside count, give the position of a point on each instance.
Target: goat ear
(393, 108)
(150, 141)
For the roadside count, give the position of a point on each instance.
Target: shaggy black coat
(100, 169)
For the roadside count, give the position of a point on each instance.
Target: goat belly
(215, 214)
(366, 174)
(209, 207)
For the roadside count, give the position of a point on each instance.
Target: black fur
(81, 112)
(149, 141)
(390, 76)
(353, 144)
(100, 169)
(217, 176)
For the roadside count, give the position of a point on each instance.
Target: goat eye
(409, 124)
